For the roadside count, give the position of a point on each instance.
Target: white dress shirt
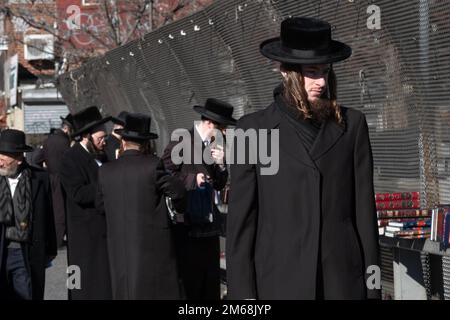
(13, 184)
(205, 140)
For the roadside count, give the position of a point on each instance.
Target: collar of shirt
(203, 137)
(85, 148)
(13, 183)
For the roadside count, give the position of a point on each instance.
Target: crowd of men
(289, 235)
(106, 194)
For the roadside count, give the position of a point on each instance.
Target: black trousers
(15, 281)
(199, 265)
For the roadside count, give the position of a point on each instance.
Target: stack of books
(409, 229)
(397, 200)
(440, 227)
(399, 215)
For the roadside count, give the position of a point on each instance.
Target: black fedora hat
(13, 141)
(305, 41)
(137, 127)
(68, 120)
(120, 119)
(218, 111)
(86, 120)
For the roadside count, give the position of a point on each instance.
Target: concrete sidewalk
(56, 276)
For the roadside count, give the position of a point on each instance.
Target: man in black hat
(131, 192)
(198, 238)
(27, 232)
(54, 148)
(310, 230)
(112, 146)
(86, 229)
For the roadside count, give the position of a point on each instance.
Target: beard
(321, 109)
(9, 172)
(98, 154)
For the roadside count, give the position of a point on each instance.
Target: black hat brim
(116, 120)
(337, 51)
(64, 120)
(214, 116)
(90, 126)
(13, 149)
(135, 135)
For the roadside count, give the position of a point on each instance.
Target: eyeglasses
(99, 139)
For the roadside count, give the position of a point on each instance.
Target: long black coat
(54, 148)
(316, 213)
(43, 242)
(86, 228)
(140, 242)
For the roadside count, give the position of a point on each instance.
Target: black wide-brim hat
(13, 141)
(137, 127)
(120, 119)
(68, 119)
(86, 120)
(218, 111)
(305, 41)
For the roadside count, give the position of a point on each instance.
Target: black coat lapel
(89, 158)
(329, 134)
(290, 141)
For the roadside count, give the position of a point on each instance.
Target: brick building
(42, 38)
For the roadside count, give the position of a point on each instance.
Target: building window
(39, 47)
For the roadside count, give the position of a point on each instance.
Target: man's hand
(218, 154)
(201, 179)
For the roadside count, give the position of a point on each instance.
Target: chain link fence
(398, 76)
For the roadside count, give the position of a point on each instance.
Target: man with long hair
(310, 230)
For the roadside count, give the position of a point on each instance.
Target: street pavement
(56, 276)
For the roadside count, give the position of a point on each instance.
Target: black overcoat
(198, 247)
(316, 213)
(43, 241)
(54, 148)
(86, 228)
(141, 251)
(187, 172)
(111, 146)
